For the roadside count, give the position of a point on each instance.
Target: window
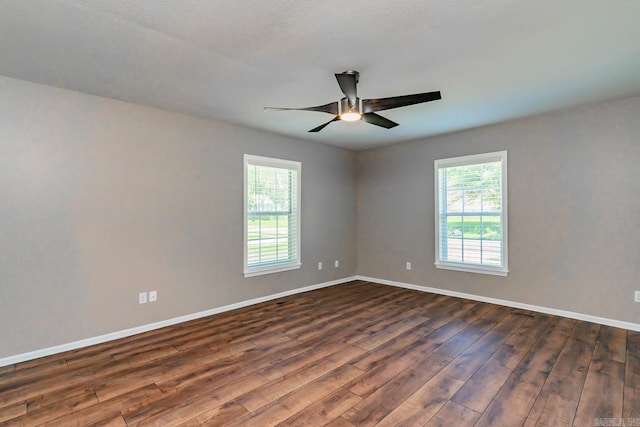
(271, 215)
(471, 213)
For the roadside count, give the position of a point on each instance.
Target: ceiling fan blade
(378, 120)
(347, 82)
(331, 108)
(371, 105)
(322, 126)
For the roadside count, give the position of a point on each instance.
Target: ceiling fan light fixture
(350, 112)
(350, 116)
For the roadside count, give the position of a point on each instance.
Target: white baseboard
(514, 304)
(157, 325)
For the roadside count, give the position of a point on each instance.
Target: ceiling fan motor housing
(353, 73)
(344, 106)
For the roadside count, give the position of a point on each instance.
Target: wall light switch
(408, 266)
(319, 266)
(153, 296)
(142, 298)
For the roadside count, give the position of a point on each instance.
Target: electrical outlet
(319, 266)
(336, 264)
(408, 266)
(637, 296)
(142, 298)
(153, 296)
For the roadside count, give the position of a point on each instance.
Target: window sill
(272, 269)
(473, 269)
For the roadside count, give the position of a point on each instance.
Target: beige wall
(574, 210)
(101, 199)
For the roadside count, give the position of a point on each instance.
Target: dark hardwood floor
(355, 354)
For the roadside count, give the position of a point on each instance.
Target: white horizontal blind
(471, 212)
(272, 215)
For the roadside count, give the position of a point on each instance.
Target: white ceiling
(493, 60)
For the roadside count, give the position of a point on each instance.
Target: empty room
(335, 213)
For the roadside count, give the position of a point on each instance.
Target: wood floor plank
(632, 362)
(218, 416)
(381, 331)
(391, 331)
(325, 410)
(249, 360)
(159, 372)
(453, 414)
(114, 421)
(427, 400)
(513, 402)
(422, 405)
(32, 368)
(470, 360)
(378, 375)
(474, 330)
(44, 401)
(235, 332)
(340, 422)
(5, 370)
(486, 382)
(291, 364)
(13, 411)
(159, 338)
(187, 367)
(266, 394)
(296, 401)
(631, 403)
(603, 392)
(359, 310)
(384, 399)
(41, 411)
(192, 401)
(76, 377)
(109, 410)
(37, 386)
(41, 364)
(403, 342)
(355, 354)
(557, 401)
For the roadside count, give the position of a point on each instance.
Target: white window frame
(501, 156)
(268, 268)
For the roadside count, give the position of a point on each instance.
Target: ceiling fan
(351, 108)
